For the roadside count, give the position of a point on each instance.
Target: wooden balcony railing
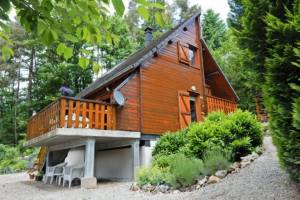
(219, 104)
(69, 112)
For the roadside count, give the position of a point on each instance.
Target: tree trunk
(30, 79)
(16, 104)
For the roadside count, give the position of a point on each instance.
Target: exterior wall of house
(163, 77)
(113, 164)
(128, 116)
(116, 164)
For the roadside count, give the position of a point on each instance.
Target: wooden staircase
(41, 158)
(39, 163)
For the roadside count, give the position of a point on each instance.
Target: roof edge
(110, 75)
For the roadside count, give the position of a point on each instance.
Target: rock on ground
(262, 179)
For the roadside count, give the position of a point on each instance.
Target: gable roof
(136, 59)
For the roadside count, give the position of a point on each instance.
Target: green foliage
(169, 143)
(206, 136)
(176, 170)
(184, 170)
(213, 161)
(269, 30)
(217, 132)
(241, 147)
(213, 29)
(151, 175)
(217, 140)
(216, 117)
(13, 159)
(52, 21)
(281, 87)
(244, 124)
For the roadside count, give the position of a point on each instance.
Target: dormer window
(187, 54)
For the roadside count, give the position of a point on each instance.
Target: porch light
(193, 88)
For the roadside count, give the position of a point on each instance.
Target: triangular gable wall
(215, 77)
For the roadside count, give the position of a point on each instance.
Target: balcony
(69, 112)
(219, 104)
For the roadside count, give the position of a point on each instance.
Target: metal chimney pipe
(148, 35)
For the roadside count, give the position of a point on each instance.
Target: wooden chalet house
(164, 86)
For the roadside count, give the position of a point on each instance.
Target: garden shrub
(206, 135)
(244, 124)
(151, 175)
(214, 161)
(217, 140)
(12, 158)
(216, 116)
(170, 143)
(240, 147)
(184, 170)
(179, 169)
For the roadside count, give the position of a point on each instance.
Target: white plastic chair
(54, 171)
(70, 173)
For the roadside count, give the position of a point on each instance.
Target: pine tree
(282, 86)
(213, 29)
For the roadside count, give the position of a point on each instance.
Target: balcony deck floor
(63, 135)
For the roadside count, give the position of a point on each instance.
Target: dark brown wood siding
(162, 78)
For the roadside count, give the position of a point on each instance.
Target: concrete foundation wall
(146, 154)
(114, 164)
(117, 164)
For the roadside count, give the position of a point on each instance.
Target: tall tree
(270, 31)
(213, 29)
(282, 85)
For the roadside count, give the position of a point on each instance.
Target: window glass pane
(193, 109)
(192, 56)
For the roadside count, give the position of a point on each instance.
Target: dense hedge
(236, 134)
(282, 85)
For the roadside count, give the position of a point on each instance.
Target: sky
(219, 6)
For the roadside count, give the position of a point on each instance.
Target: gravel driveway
(263, 179)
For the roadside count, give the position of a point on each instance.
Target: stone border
(202, 182)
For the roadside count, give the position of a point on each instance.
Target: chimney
(148, 36)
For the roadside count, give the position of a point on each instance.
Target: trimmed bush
(216, 116)
(240, 147)
(214, 161)
(170, 143)
(217, 131)
(204, 136)
(245, 124)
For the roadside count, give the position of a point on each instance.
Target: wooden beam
(213, 73)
